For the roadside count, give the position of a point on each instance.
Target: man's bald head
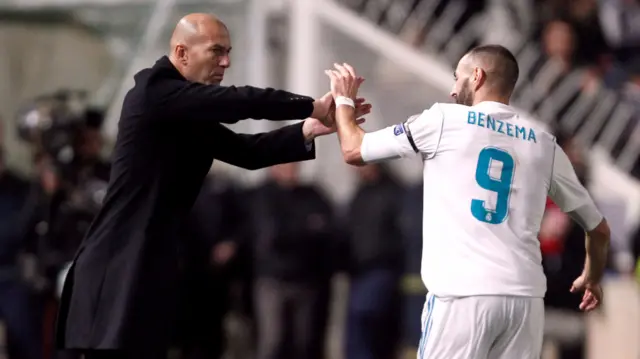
(200, 47)
(490, 70)
(191, 28)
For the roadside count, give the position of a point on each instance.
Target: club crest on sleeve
(398, 130)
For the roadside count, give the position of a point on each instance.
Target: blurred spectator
(63, 203)
(376, 253)
(631, 94)
(18, 311)
(631, 90)
(212, 237)
(620, 21)
(563, 253)
(60, 207)
(559, 43)
(294, 247)
(413, 287)
(512, 21)
(558, 77)
(582, 17)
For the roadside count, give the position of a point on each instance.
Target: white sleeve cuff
(587, 216)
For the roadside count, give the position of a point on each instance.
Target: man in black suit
(118, 295)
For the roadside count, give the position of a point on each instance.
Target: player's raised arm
(570, 195)
(358, 147)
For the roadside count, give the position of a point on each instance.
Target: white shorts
(482, 327)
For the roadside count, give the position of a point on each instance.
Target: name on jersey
(505, 128)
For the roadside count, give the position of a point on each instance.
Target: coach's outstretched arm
(291, 143)
(569, 194)
(419, 134)
(229, 104)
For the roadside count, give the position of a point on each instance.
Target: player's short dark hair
(505, 62)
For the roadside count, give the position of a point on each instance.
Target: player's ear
(478, 77)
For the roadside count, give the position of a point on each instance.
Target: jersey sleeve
(418, 134)
(569, 194)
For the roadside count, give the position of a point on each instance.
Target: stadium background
(580, 74)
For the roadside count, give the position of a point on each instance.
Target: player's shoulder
(447, 110)
(437, 112)
(450, 113)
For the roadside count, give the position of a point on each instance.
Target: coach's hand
(314, 127)
(592, 297)
(322, 108)
(344, 81)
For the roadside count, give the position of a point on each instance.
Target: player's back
(485, 189)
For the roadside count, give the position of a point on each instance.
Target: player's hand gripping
(344, 81)
(592, 297)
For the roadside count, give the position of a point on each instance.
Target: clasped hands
(343, 82)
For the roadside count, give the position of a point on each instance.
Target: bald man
(487, 173)
(120, 293)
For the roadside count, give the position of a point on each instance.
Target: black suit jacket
(122, 285)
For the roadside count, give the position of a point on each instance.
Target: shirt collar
(495, 105)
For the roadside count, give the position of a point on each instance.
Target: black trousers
(20, 312)
(291, 318)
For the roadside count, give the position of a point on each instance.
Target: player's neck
(498, 99)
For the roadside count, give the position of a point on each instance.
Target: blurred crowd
(259, 262)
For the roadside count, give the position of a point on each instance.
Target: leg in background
(373, 316)
(18, 311)
(270, 301)
(310, 314)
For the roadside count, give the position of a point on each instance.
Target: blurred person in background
(63, 200)
(582, 16)
(563, 254)
(72, 200)
(413, 287)
(294, 240)
(631, 90)
(620, 21)
(560, 53)
(559, 43)
(213, 236)
(589, 49)
(375, 265)
(71, 177)
(512, 21)
(19, 313)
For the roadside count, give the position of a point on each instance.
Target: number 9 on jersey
(500, 184)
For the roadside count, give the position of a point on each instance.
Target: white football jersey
(487, 175)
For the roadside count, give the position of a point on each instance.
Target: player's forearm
(597, 248)
(350, 135)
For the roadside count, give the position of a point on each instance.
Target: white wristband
(341, 100)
